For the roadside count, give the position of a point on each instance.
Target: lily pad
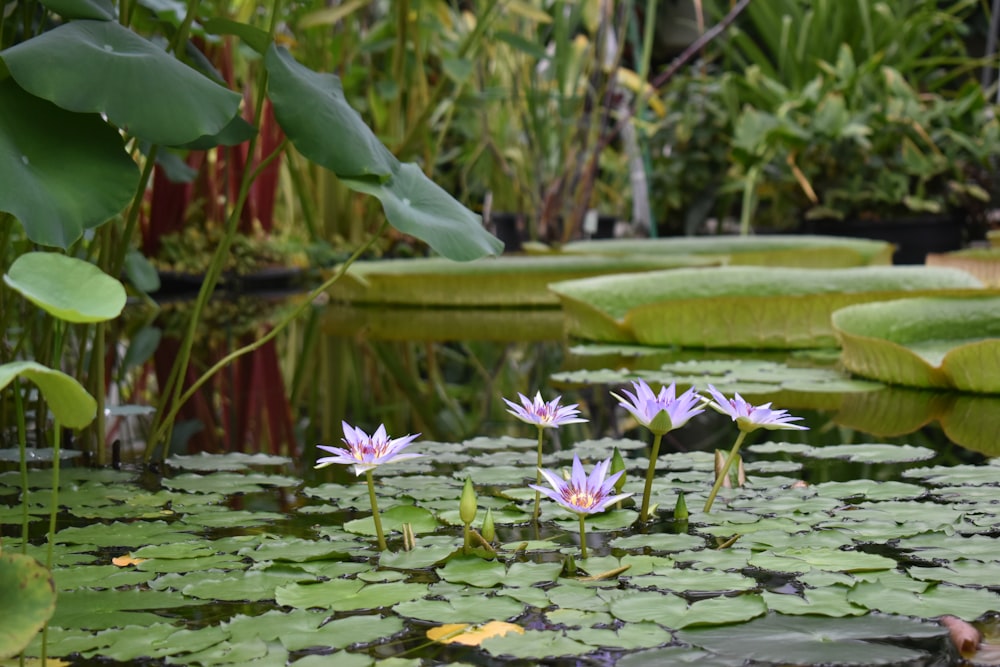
(738, 307)
(29, 599)
(504, 281)
(924, 342)
(66, 287)
(808, 640)
(799, 250)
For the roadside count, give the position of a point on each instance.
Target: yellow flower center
(581, 498)
(370, 448)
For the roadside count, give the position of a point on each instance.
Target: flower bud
(618, 465)
(681, 508)
(467, 507)
(489, 531)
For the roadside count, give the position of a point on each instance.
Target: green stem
(22, 443)
(375, 516)
(468, 539)
(650, 473)
(725, 470)
(583, 537)
(538, 476)
(56, 437)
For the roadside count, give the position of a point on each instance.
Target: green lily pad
(461, 609)
(504, 281)
(807, 640)
(347, 594)
(66, 287)
(63, 172)
(798, 250)
(924, 342)
(30, 598)
(143, 88)
(72, 405)
(738, 307)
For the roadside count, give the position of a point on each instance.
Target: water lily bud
(489, 530)
(681, 508)
(467, 508)
(618, 465)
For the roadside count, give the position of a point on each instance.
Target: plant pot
(913, 237)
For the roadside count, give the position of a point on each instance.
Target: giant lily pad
(771, 250)
(924, 342)
(102, 67)
(739, 307)
(504, 281)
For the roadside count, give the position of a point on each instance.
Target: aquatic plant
(660, 413)
(367, 452)
(748, 418)
(543, 415)
(583, 494)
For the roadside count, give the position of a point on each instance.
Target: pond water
(845, 545)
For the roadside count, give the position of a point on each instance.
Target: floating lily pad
(738, 307)
(806, 640)
(924, 342)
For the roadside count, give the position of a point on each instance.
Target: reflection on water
(443, 372)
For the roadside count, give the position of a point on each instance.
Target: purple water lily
(748, 418)
(542, 414)
(583, 494)
(661, 412)
(367, 452)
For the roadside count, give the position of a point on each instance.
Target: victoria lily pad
(798, 250)
(738, 307)
(504, 281)
(924, 342)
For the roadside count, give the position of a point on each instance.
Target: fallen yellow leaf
(471, 635)
(126, 560)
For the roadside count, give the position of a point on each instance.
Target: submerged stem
(650, 472)
(583, 537)
(538, 476)
(375, 516)
(725, 470)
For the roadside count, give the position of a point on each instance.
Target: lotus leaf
(771, 250)
(739, 307)
(29, 599)
(504, 281)
(924, 342)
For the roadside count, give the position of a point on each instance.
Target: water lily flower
(543, 415)
(660, 413)
(748, 418)
(583, 494)
(367, 452)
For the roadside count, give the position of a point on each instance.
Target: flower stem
(583, 538)
(538, 476)
(468, 539)
(725, 470)
(644, 511)
(375, 516)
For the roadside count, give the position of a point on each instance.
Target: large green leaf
(65, 287)
(312, 111)
(100, 66)
(29, 598)
(66, 398)
(738, 307)
(924, 342)
(62, 172)
(800, 250)
(101, 10)
(505, 281)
